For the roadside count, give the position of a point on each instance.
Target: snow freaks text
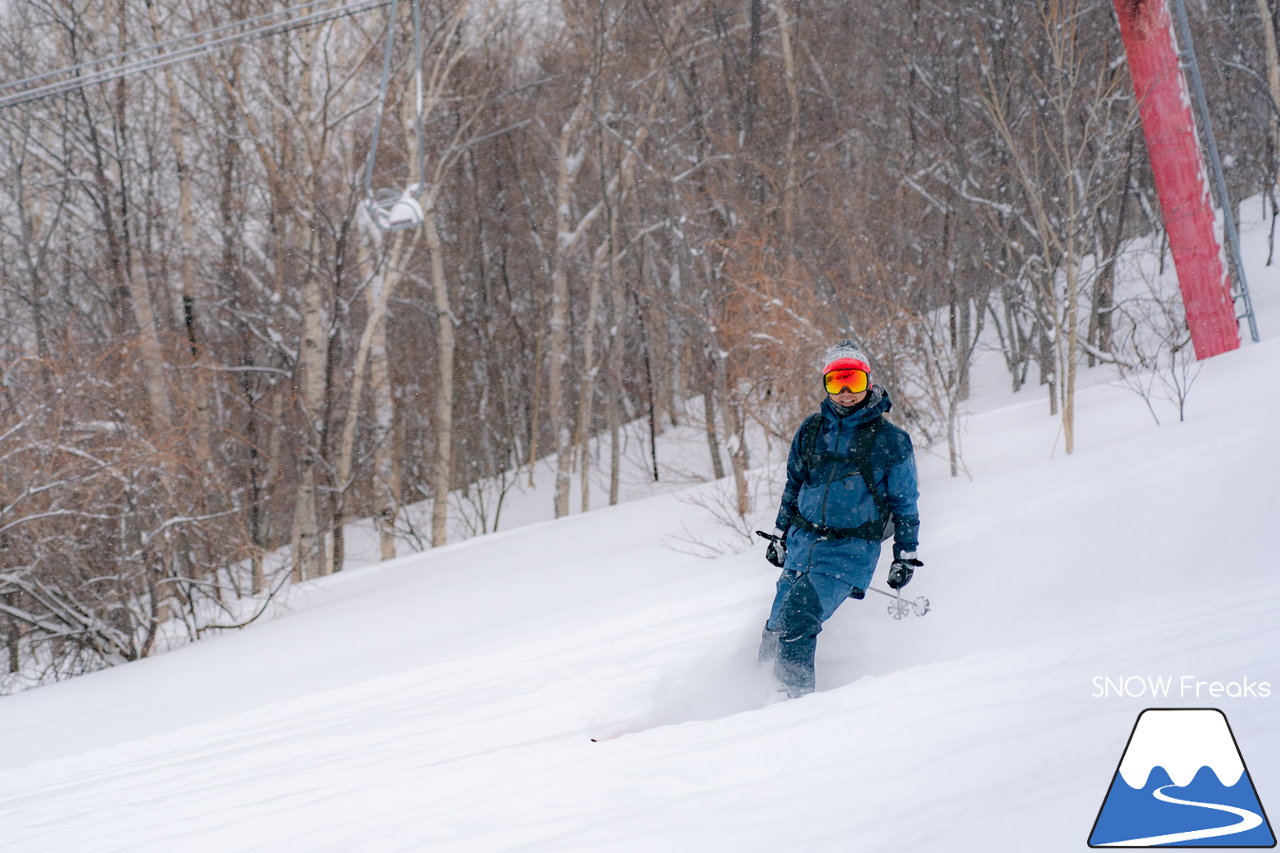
(1177, 687)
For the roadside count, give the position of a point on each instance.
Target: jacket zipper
(831, 477)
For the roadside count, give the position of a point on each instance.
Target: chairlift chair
(396, 210)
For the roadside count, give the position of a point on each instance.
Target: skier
(851, 478)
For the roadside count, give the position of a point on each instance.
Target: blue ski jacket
(830, 492)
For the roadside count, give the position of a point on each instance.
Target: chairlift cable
(152, 63)
(190, 51)
(117, 57)
(417, 75)
(382, 98)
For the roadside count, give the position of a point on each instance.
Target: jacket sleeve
(796, 474)
(902, 495)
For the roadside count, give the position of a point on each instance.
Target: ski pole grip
(768, 536)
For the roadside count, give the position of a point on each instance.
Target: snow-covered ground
(583, 685)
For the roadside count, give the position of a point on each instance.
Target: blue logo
(1182, 782)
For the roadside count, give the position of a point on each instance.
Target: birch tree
(570, 228)
(1063, 159)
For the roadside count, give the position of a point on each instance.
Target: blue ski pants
(803, 602)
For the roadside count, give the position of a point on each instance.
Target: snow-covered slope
(448, 701)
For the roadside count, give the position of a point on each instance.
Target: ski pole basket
(901, 608)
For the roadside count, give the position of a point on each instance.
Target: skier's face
(848, 398)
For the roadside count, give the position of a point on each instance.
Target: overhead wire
(115, 57)
(383, 83)
(78, 79)
(417, 79)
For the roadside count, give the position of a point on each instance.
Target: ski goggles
(846, 379)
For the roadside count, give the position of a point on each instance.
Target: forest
(210, 353)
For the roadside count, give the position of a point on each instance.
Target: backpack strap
(860, 454)
(809, 432)
(863, 446)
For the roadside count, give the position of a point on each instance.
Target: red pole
(1170, 131)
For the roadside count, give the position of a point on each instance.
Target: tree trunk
(382, 284)
(1273, 83)
(202, 393)
(709, 417)
(388, 447)
(1071, 332)
(310, 379)
(568, 235)
(739, 459)
(14, 638)
(1049, 367)
(313, 356)
(535, 410)
(557, 358)
(613, 400)
(590, 374)
(129, 282)
(445, 347)
(790, 184)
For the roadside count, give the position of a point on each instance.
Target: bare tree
(1062, 156)
(1267, 19)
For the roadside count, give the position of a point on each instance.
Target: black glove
(901, 570)
(776, 553)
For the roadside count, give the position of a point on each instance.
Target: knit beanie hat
(845, 354)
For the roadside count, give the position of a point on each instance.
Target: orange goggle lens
(838, 380)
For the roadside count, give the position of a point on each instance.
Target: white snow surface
(448, 701)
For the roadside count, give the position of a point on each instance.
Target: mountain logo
(1182, 782)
